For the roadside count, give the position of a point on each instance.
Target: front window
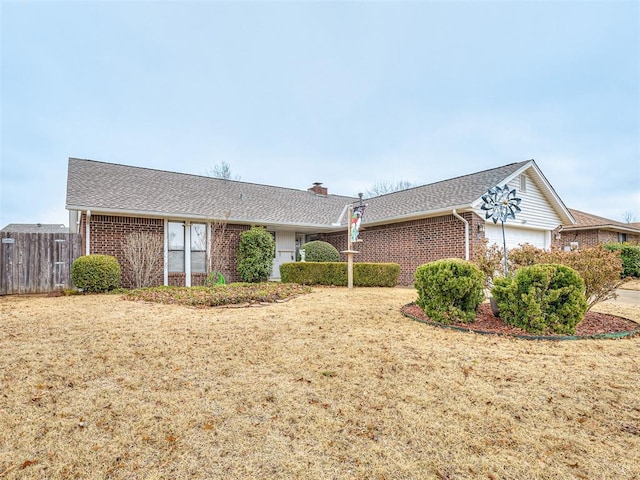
(198, 248)
(176, 247)
(187, 243)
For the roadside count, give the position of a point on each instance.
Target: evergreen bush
(449, 290)
(319, 251)
(544, 298)
(630, 255)
(96, 273)
(255, 255)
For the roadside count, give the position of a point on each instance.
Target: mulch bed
(593, 323)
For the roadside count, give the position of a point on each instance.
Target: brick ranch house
(591, 230)
(106, 202)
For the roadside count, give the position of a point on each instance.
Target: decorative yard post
(350, 252)
(500, 204)
(353, 230)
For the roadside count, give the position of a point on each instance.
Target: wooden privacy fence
(37, 262)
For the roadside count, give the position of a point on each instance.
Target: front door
(285, 251)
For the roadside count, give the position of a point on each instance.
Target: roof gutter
(414, 216)
(616, 228)
(202, 218)
(466, 233)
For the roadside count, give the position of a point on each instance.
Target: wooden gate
(37, 262)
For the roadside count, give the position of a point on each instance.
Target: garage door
(515, 236)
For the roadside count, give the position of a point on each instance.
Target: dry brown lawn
(632, 284)
(334, 384)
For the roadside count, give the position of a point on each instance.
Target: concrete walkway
(627, 297)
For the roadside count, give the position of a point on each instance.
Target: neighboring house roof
(587, 221)
(35, 228)
(120, 189)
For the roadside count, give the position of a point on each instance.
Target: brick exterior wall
(108, 233)
(229, 249)
(178, 279)
(589, 238)
(412, 243)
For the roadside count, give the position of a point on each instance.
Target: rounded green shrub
(96, 273)
(544, 298)
(255, 255)
(449, 290)
(319, 251)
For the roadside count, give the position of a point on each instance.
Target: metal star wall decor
(501, 203)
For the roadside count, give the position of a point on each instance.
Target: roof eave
(610, 227)
(417, 215)
(311, 227)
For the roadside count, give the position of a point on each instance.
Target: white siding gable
(537, 212)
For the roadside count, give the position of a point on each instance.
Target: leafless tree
(144, 258)
(219, 244)
(384, 186)
(628, 217)
(222, 170)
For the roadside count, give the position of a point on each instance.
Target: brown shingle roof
(125, 189)
(458, 192)
(589, 221)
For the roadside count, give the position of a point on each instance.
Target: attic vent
(318, 189)
(523, 183)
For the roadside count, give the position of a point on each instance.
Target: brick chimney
(318, 189)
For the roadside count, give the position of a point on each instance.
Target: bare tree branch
(628, 217)
(383, 187)
(222, 170)
(218, 257)
(143, 254)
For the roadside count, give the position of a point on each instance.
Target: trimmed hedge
(319, 251)
(96, 273)
(542, 298)
(630, 255)
(376, 274)
(449, 290)
(335, 273)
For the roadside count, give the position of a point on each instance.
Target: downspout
(466, 233)
(87, 233)
(338, 222)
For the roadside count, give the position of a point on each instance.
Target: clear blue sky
(345, 93)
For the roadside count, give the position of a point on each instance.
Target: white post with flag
(353, 230)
